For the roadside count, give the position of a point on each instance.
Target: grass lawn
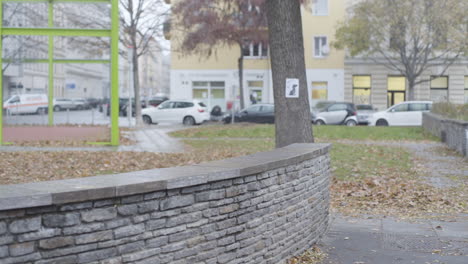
(322, 133)
(367, 178)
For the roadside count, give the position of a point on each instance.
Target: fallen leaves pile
(22, 167)
(312, 256)
(397, 196)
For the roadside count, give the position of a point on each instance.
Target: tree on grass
(210, 24)
(407, 36)
(141, 22)
(292, 115)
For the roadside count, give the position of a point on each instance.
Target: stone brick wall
(262, 208)
(454, 133)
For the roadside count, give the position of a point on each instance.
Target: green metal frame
(51, 32)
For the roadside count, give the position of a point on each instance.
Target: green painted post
(51, 32)
(115, 73)
(51, 65)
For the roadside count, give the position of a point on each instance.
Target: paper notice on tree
(292, 88)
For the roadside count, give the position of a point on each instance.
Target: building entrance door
(395, 97)
(396, 90)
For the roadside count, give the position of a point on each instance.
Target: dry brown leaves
(397, 196)
(312, 256)
(22, 167)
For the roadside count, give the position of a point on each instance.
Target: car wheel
(147, 120)
(57, 108)
(189, 121)
(41, 111)
(319, 123)
(79, 108)
(381, 122)
(351, 123)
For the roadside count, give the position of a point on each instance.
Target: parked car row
(343, 113)
(61, 104)
(39, 103)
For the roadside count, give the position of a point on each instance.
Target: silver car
(364, 113)
(338, 113)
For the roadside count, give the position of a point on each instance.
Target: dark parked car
(122, 103)
(155, 101)
(124, 108)
(257, 113)
(93, 102)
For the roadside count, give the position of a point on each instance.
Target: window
(396, 90)
(401, 108)
(337, 107)
(466, 89)
(255, 50)
(439, 89)
(361, 89)
(167, 105)
(268, 109)
(418, 107)
(210, 93)
(320, 7)
(255, 91)
(253, 109)
(321, 48)
(319, 90)
(184, 105)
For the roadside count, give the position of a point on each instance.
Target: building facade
(215, 80)
(367, 82)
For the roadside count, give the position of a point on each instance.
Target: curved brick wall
(262, 208)
(454, 133)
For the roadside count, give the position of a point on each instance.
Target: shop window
(319, 90)
(439, 89)
(255, 91)
(361, 89)
(210, 93)
(396, 90)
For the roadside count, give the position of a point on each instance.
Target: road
(84, 117)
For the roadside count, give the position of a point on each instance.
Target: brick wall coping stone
(59, 192)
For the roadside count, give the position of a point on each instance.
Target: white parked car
(402, 114)
(26, 104)
(177, 111)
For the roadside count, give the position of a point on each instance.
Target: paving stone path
(392, 241)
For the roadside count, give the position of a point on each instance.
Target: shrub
(450, 110)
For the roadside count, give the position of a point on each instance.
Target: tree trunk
(136, 88)
(410, 90)
(240, 64)
(292, 115)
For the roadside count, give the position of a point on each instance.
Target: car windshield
(8, 99)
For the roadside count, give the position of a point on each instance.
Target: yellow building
(215, 81)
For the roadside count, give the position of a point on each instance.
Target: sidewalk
(155, 139)
(149, 139)
(388, 241)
